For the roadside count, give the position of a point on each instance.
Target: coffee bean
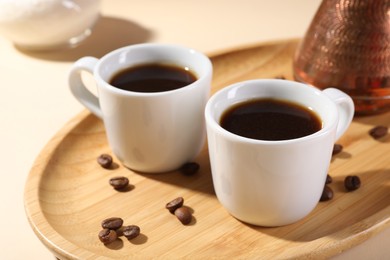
(352, 183)
(105, 160)
(174, 204)
(327, 194)
(107, 236)
(184, 215)
(280, 77)
(378, 132)
(329, 179)
(190, 168)
(112, 223)
(131, 231)
(119, 183)
(337, 148)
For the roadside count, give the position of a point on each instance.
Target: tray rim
(52, 239)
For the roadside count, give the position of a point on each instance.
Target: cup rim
(205, 59)
(212, 122)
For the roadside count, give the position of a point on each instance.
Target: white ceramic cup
(274, 183)
(148, 132)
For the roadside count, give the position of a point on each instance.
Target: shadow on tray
(343, 216)
(200, 181)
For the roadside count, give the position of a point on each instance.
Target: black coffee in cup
(270, 119)
(153, 77)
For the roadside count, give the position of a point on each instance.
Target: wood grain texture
(67, 194)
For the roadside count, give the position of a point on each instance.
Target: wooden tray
(67, 193)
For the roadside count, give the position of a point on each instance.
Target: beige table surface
(35, 101)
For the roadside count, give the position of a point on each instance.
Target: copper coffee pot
(347, 46)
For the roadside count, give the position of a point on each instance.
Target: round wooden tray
(67, 194)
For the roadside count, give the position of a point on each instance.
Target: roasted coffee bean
(131, 231)
(327, 194)
(174, 204)
(352, 183)
(329, 179)
(107, 236)
(184, 215)
(119, 183)
(112, 223)
(280, 77)
(190, 168)
(337, 148)
(105, 160)
(378, 132)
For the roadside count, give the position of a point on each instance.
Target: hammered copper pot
(347, 46)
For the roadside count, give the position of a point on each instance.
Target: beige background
(35, 101)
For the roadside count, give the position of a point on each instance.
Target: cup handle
(345, 108)
(78, 88)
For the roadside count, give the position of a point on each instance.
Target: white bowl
(47, 24)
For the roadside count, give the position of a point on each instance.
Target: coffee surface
(270, 119)
(152, 78)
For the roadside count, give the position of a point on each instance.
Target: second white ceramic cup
(274, 183)
(148, 132)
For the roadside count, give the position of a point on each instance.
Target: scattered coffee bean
(337, 148)
(119, 183)
(184, 215)
(112, 223)
(378, 132)
(329, 179)
(107, 236)
(280, 77)
(131, 231)
(105, 160)
(352, 183)
(190, 168)
(327, 194)
(174, 204)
